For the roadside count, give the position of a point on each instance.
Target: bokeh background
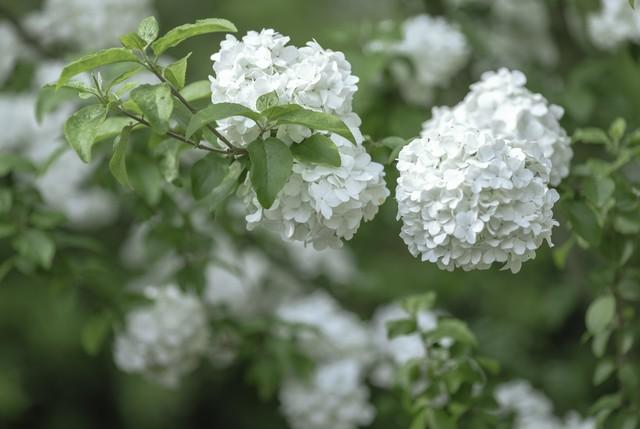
(531, 323)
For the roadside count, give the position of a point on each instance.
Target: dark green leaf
(218, 111)
(184, 32)
(271, 166)
(112, 127)
(95, 60)
(267, 100)
(145, 178)
(317, 149)
(82, 127)
(401, 327)
(207, 174)
(196, 90)
(148, 29)
(36, 246)
(585, 223)
(176, 72)
(95, 333)
(6, 200)
(600, 314)
(156, 104)
(118, 162)
(315, 120)
(228, 186)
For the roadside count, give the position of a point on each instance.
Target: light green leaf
(216, 112)
(176, 72)
(49, 98)
(317, 149)
(124, 76)
(145, 178)
(599, 190)
(118, 162)
(271, 166)
(112, 127)
(156, 104)
(169, 151)
(95, 60)
(184, 32)
(148, 29)
(11, 162)
(82, 127)
(454, 329)
(561, 253)
(627, 224)
(267, 101)
(617, 129)
(603, 371)
(95, 333)
(600, 314)
(590, 136)
(36, 246)
(315, 120)
(400, 327)
(132, 41)
(207, 174)
(418, 303)
(196, 90)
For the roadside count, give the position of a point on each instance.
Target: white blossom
(500, 102)
(164, 340)
(11, 49)
(338, 265)
(323, 205)
(435, 49)
(468, 199)
(335, 397)
(261, 63)
(615, 23)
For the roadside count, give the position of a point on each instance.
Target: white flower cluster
(87, 24)
(336, 395)
(533, 410)
(500, 102)
(468, 199)
(323, 205)
(337, 265)
(395, 352)
(435, 49)
(614, 24)
(319, 205)
(11, 49)
(166, 339)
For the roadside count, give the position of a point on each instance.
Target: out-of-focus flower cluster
(319, 205)
(614, 24)
(475, 188)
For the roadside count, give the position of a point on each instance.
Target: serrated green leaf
(156, 104)
(196, 90)
(317, 149)
(320, 121)
(132, 41)
(176, 72)
(95, 60)
(184, 32)
(600, 314)
(118, 162)
(216, 112)
(82, 127)
(271, 166)
(148, 29)
(207, 174)
(36, 246)
(267, 101)
(599, 344)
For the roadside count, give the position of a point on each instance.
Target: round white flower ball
(323, 205)
(468, 199)
(500, 102)
(261, 63)
(165, 340)
(335, 397)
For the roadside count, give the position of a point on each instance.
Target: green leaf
(271, 166)
(176, 72)
(617, 129)
(228, 186)
(6, 200)
(196, 90)
(561, 253)
(145, 178)
(36, 246)
(599, 190)
(49, 98)
(124, 76)
(216, 112)
(184, 32)
(315, 120)
(156, 104)
(438, 419)
(455, 329)
(112, 127)
(207, 174)
(603, 371)
(599, 344)
(627, 224)
(317, 149)
(95, 60)
(169, 151)
(95, 332)
(11, 162)
(148, 29)
(400, 328)
(418, 303)
(132, 41)
(632, 3)
(267, 101)
(600, 314)
(5, 268)
(585, 223)
(82, 127)
(590, 136)
(118, 162)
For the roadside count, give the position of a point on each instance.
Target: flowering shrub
(232, 238)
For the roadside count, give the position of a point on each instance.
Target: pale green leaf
(196, 90)
(267, 101)
(112, 127)
(600, 314)
(132, 41)
(82, 127)
(36, 246)
(95, 60)
(184, 32)
(176, 72)
(599, 190)
(148, 29)
(156, 104)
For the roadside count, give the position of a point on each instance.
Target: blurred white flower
(468, 199)
(261, 63)
(87, 24)
(500, 102)
(328, 332)
(395, 352)
(613, 24)
(335, 397)
(11, 49)
(338, 265)
(323, 205)
(433, 52)
(164, 340)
